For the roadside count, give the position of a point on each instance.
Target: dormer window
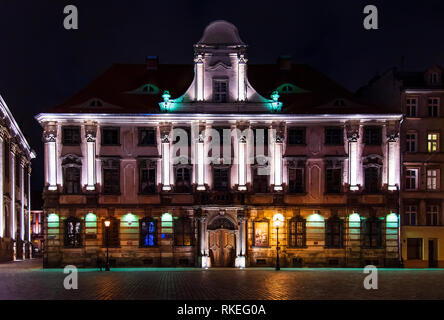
(150, 89)
(433, 77)
(96, 103)
(220, 90)
(339, 103)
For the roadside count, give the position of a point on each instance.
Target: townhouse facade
(15, 181)
(418, 95)
(188, 164)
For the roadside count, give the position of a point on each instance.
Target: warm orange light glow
(278, 220)
(107, 223)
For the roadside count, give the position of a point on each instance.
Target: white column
(91, 159)
(28, 175)
(2, 169)
(393, 161)
(242, 66)
(22, 201)
(51, 160)
(166, 185)
(242, 163)
(353, 161)
(200, 163)
(12, 190)
(240, 259)
(206, 261)
(278, 147)
(199, 78)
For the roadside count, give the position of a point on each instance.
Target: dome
(220, 32)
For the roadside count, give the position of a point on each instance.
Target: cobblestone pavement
(27, 280)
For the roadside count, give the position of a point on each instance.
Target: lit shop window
(148, 232)
(167, 226)
(73, 232)
(261, 233)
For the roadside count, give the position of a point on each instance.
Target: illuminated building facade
(419, 96)
(15, 179)
(191, 165)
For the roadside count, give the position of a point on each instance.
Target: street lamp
(107, 224)
(278, 221)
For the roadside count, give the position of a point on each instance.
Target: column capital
(352, 136)
(49, 136)
(90, 132)
(392, 137)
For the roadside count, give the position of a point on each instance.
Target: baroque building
(15, 182)
(190, 163)
(418, 95)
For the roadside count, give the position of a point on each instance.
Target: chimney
(284, 62)
(152, 62)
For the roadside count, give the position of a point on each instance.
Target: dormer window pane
(220, 90)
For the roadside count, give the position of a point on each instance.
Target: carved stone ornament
(352, 136)
(165, 138)
(49, 137)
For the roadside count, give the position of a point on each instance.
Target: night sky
(42, 64)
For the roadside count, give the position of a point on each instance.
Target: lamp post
(107, 225)
(278, 221)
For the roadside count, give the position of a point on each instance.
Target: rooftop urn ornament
(166, 99)
(275, 104)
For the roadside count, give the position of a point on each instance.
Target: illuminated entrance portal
(221, 242)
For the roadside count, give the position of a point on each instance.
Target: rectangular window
(372, 135)
(147, 179)
(260, 180)
(410, 139)
(71, 136)
(220, 90)
(296, 136)
(297, 233)
(372, 230)
(147, 137)
(110, 136)
(296, 180)
(261, 233)
(333, 180)
(433, 142)
(220, 179)
(432, 179)
(334, 136)
(183, 180)
(411, 179)
(334, 233)
(111, 176)
(411, 107)
(371, 177)
(433, 107)
(410, 215)
(432, 215)
(414, 248)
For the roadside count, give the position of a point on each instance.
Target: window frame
(225, 168)
(187, 189)
(430, 178)
(218, 92)
(331, 234)
(409, 105)
(292, 141)
(154, 233)
(181, 221)
(407, 176)
(330, 141)
(295, 233)
(370, 139)
(264, 220)
(432, 107)
(432, 214)
(409, 141)
(71, 127)
(77, 241)
(433, 145)
(368, 237)
(139, 139)
(114, 227)
(108, 164)
(410, 215)
(102, 138)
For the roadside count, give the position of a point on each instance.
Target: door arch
(222, 242)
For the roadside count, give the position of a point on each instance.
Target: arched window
(73, 232)
(372, 233)
(148, 232)
(334, 232)
(72, 166)
(183, 232)
(297, 232)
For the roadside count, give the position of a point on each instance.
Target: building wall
(242, 207)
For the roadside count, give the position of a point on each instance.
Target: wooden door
(222, 245)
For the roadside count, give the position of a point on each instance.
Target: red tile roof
(113, 87)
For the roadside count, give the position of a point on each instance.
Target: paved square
(27, 280)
